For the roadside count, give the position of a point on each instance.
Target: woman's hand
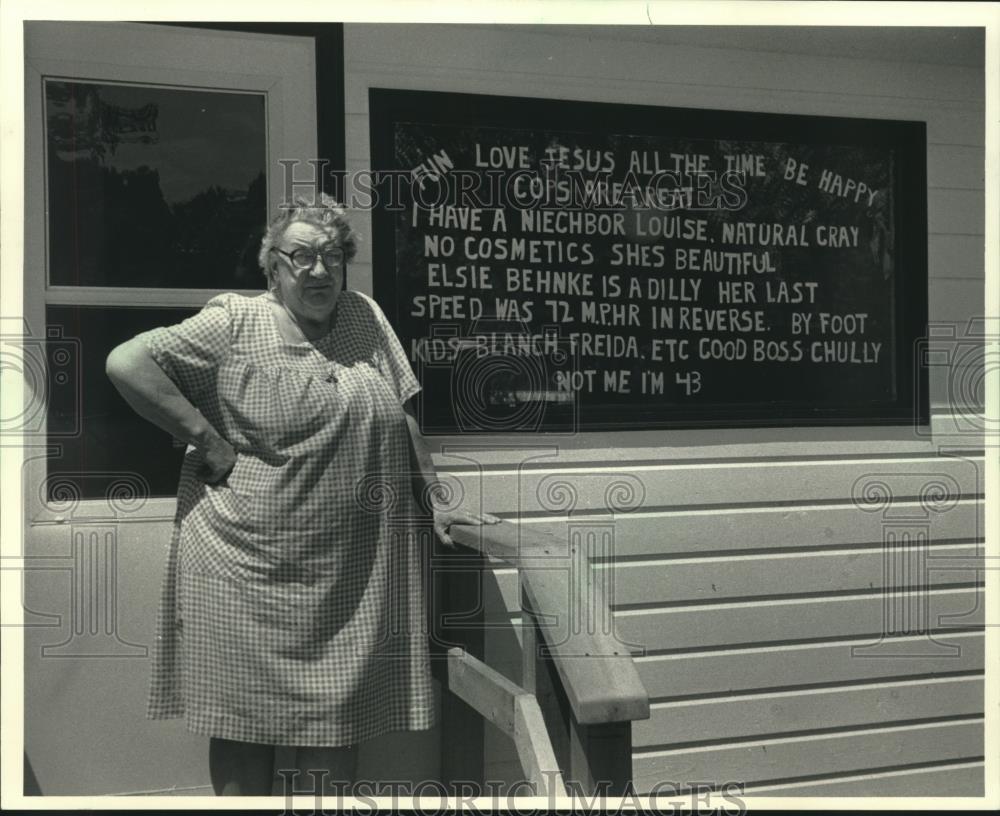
(154, 396)
(443, 519)
(431, 494)
(218, 459)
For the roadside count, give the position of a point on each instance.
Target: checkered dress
(292, 606)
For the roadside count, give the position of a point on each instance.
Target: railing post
(593, 758)
(601, 757)
(582, 676)
(458, 619)
(539, 677)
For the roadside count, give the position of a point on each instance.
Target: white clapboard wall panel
(955, 212)
(749, 616)
(949, 122)
(748, 715)
(955, 167)
(748, 563)
(532, 50)
(647, 536)
(662, 90)
(650, 631)
(956, 256)
(958, 390)
(784, 758)
(640, 583)
(953, 779)
(520, 492)
(653, 86)
(622, 450)
(707, 673)
(648, 582)
(532, 57)
(958, 351)
(955, 301)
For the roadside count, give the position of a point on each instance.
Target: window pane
(101, 438)
(151, 186)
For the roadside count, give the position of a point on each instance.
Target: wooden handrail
(579, 690)
(569, 605)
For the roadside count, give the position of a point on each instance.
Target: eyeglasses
(303, 258)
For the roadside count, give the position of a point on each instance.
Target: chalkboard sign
(566, 266)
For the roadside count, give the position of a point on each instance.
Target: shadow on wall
(31, 787)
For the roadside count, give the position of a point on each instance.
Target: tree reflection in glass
(153, 186)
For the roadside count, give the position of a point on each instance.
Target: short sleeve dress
(292, 605)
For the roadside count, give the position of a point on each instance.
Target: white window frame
(280, 67)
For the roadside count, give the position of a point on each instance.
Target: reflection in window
(98, 438)
(154, 187)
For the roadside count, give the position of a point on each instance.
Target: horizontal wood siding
(958, 779)
(523, 492)
(743, 716)
(766, 621)
(749, 564)
(649, 582)
(784, 758)
(694, 674)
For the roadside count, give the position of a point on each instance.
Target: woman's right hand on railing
(443, 519)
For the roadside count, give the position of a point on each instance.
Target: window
(152, 166)
(153, 186)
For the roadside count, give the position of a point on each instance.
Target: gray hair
(325, 213)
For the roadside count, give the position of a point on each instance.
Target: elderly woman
(292, 610)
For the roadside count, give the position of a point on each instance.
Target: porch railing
(571, 717)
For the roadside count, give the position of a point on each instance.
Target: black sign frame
(906, 138)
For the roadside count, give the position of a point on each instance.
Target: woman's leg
(240, 768)
(329, 767)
